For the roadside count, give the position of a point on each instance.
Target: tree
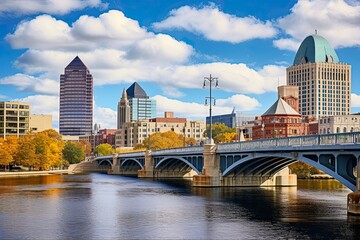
(218, 128)
(73, 153)
(165, 140)
(5, 156)
(86, 146)
(25, 155)
(103, 149)
(225, 137)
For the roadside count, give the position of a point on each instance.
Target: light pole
(211, 99)
(184, 136)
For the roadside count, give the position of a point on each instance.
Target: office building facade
(76, 99)
(40, 122)
(14, 119)
(324, 82)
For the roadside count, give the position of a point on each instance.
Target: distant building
(105, 136)
(141, 106)
(324, 82)
(339, 124)
(14, 119)
(232, 120)
(40, 122)
(280, 120)
(135, 132)
(76, 99)
(290, 94)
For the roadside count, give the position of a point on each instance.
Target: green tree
(103, 149)
(73, 153)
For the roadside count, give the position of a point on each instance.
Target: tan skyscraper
(324, 83)
(123, 111)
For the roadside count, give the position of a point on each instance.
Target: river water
(99, 206)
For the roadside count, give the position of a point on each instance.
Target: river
(99, 206)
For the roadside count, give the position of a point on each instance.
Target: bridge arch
(104, 162)
(260, 164)
(181, 159)
(128, 160)
(347, 181)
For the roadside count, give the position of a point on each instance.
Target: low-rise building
(40, 122)
(339, 124)
(105, 136)
(135, 132)
(14, 119)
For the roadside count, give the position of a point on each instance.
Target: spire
(124, 95)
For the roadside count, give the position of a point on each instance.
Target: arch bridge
(251, 163)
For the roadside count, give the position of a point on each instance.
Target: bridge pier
(353, 199)
(148, 171)
(115, 169)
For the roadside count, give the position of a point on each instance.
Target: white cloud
(355, 100)
(215, 25)
(287, 44)
(336, 20)
(106, 117)
(2, 96)
(194, 110)
(31, 84)
(47, 6)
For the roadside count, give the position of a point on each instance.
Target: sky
(168, 47)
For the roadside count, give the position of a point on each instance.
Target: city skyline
(169, 48)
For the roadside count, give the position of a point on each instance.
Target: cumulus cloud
(215, 25)
(106, 117)
(56, 7)
(194, 110)
(336, 20)
(31, 84)
(355, 100)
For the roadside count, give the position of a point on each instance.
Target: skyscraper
(76, 99)
(141, 106)
(123, 111)
(324, 83)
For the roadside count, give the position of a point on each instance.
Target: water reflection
(112, 207)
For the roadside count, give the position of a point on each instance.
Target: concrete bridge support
(353, 199)
(116, 165)
(211, 174)
(148, 171)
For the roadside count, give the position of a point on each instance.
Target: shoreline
(32, 173)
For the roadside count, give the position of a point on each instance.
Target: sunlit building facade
(14, 119)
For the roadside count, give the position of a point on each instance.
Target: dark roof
(135, 91)
(76, 62)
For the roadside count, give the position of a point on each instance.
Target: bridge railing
(178, 150)
(132, 154)
(298, 141)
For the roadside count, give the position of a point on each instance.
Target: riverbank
(32, 173)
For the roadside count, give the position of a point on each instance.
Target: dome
(315, 48)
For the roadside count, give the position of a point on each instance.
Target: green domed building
(324, 83)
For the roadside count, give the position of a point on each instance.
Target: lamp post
(184, 136)
(211, 99)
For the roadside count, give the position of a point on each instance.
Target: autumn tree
(225, 137)
(25, 155)
(73, 152)
(103, 149)
(5, 156)
(218, 128)
(165, 140)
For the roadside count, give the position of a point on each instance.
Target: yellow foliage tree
(225, 137)
(25, 155)
(5, 156)
(165, 140)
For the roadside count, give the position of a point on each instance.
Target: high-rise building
(14, 119)
(324, 83)
(141, 106)
(123, 112)
(135, 105)
(76, 99)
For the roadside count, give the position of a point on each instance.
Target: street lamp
(211, 99)
(184, 136)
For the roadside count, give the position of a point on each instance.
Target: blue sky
(168, 47)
